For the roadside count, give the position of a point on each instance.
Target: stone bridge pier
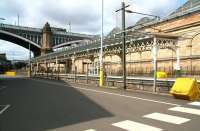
(46, 39)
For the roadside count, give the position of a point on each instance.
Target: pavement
(49, 105)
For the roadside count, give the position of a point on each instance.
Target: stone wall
(141, 63)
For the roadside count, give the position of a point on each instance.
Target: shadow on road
(38, 106)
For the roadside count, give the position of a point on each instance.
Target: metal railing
(109, 80)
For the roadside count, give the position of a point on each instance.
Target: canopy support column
(154, 51)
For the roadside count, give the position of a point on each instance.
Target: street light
(101, 76)
(130, 11)
(29, 47)
(154, 47)
(123, 9)
(123, 41)
(154, 51)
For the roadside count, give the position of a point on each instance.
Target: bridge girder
(21, 41)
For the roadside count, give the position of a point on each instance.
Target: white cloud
(84, 15)
(13, 51)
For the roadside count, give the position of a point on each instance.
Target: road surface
(44, 105)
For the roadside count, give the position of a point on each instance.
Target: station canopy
(136, 41)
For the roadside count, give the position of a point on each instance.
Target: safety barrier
(144, 83)
(185, 88)
(161, 74)
(10, 73)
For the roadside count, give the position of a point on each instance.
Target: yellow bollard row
(185, 88)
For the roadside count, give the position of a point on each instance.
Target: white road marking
(167, 118)
(3, 87)
(90, 130)
(4, 109)
(132, 97)
(186, 110)
(115, 94)
(135, 126)
(194, 103)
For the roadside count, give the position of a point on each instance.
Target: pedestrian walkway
(178, 120)
(135, 126)
(167, 118)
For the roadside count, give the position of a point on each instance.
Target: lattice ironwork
(136, 41)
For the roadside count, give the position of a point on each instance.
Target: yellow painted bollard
(161, 74)
(101, 78)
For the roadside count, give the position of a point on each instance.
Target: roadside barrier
(161, 74)
(185, 88)
(10, 73)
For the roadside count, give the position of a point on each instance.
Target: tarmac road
(41, 105)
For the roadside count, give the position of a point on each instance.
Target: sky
(84, 16)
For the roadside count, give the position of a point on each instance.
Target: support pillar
(83, 67)
(65, 66)
(68, 65)
(58, 71)
(110, 65)
(94, 67)
(74, 68)
(46, 39)
(37, 68)
(87, 73)
(178, 68)
(73, 64)
(56, 63)
(46, 64)
(154, 52)
(31, 69)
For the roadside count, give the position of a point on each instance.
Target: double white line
(4, 109)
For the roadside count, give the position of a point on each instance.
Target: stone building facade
(184, 22)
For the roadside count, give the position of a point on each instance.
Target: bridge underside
(21, 42)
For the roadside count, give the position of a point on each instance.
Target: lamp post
(124, 44)
(101, 76)
(29, 60)
(154, 51)
(123, 41)
(155, 64)
(123, 9)
(139, 13)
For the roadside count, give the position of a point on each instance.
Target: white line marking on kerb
(167, 118)
(135, 126)
(138, 98)
(4, 109)
(90, 130)
(186, 110)
(103, 92)
(194, 103)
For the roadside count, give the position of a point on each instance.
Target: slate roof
(187, 6)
